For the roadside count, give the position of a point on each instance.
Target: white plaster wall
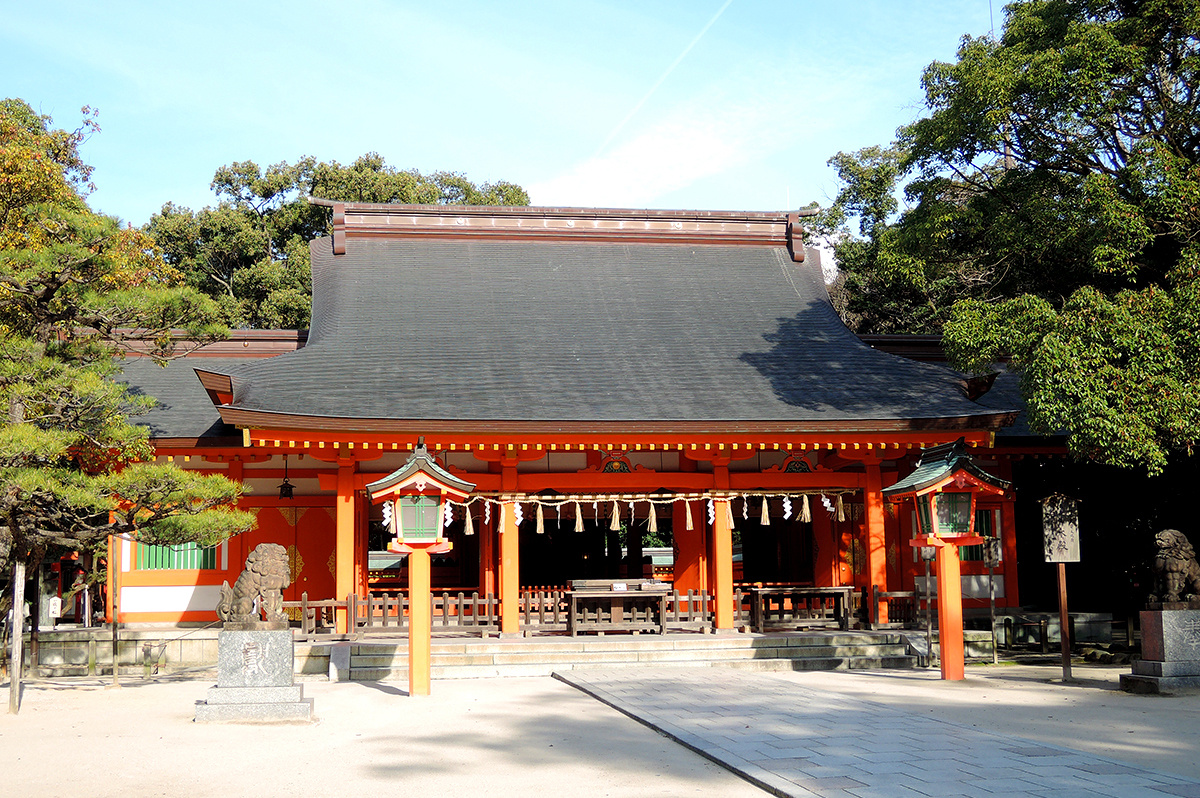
(974, 586)
(169, 598)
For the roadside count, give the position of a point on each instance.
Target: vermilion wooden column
(346, 530)
(362, 556)
(1008, 535)
(510, 579)
(420, 622)
(689, 549)
(949, 601)
(722, 549)
(876, 538)
(487, 554)
(950, 622)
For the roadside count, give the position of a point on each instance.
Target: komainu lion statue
(1176, 572)
(267, 574)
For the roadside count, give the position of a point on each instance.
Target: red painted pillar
(487, 552)
(345, 538)
(1008, 535)
(690, 560)
(950, 619)
(510, 580)
(876, 538)
(723, 561)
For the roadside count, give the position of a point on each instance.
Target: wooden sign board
(1060, 528)
(993, 552)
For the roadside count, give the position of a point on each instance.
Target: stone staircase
(465, 658)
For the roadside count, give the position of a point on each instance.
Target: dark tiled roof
(544, 331)
(1004, 395)
(184, 409)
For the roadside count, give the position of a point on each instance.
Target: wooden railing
(313, 615)
(904, 608)
(544, 609)
(388, 614)
(541, 609)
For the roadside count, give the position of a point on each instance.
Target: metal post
(116, 599)
(928, 613)
(1064, 622)
(992, 604)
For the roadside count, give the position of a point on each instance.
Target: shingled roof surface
(184, 409)
(518, 330)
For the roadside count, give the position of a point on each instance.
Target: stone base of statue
(255, 667)
(1170, 660)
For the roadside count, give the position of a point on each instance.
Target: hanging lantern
(946, 514)
(287, 488)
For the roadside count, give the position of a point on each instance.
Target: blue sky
(582, 103)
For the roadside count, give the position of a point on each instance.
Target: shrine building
(598, 378)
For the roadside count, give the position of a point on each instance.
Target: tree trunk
(116, 594)
(18, 624)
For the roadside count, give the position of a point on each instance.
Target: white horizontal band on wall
(170, 598)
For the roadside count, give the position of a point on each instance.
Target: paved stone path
(793, 741)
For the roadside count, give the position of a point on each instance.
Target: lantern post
(944, 487)
(413, 498)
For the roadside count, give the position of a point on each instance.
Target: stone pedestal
(1170, 660)
(255, 666)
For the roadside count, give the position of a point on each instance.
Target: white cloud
(692, 141)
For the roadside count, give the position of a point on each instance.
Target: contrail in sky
(661, 78)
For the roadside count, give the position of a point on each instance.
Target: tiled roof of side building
(524, 330)
(184, 409)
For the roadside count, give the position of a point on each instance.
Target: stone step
(627, 642)
(459, 659)
(884, 662)
(513, 657)
(545, 668)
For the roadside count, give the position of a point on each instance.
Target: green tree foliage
(1051, 214)
(76, 291)
(250, 251)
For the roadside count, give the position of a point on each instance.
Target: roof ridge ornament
(566, 224)
(795, 236)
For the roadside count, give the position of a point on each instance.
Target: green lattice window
(953, 511)
(984, 527)
(419, 518)
(185, 556)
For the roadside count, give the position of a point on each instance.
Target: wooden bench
(610, 605)
(785, 607)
